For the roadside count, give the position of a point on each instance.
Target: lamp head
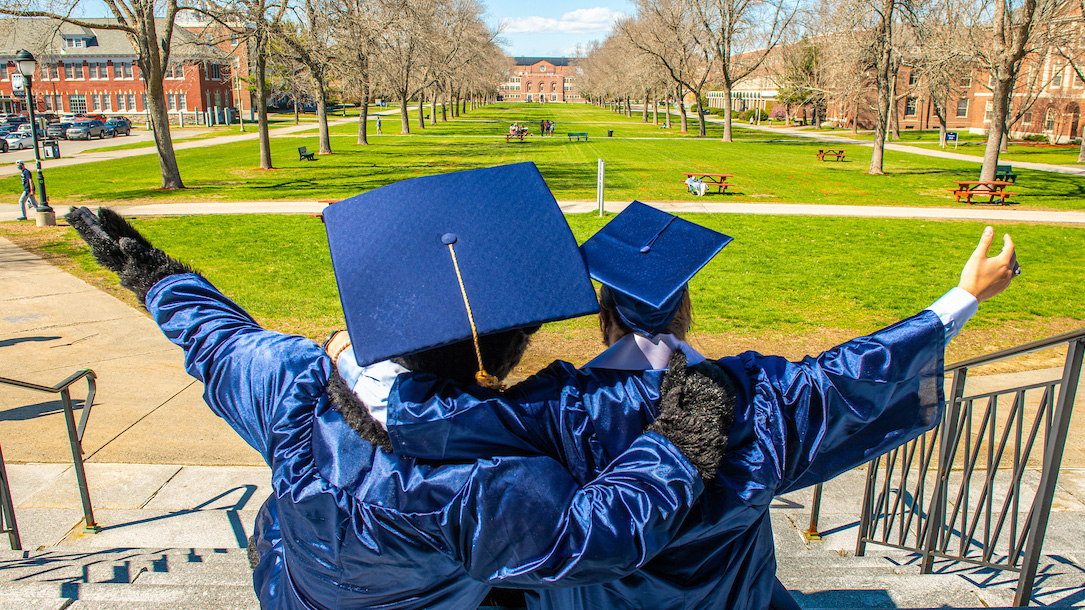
(25, 62)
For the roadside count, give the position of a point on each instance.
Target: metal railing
(75, 435)
(7, 510)
(961, 490)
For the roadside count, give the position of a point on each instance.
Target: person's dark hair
(613, 328)
(501, 352)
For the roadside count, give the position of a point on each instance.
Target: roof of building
(527, 61)
(44, 38)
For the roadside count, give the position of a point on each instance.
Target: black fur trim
(356, 414)
(696, 410)
(253, 554)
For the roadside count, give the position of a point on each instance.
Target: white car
(19, 141)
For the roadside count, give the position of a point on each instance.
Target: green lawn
(786, 274)
(643, 162)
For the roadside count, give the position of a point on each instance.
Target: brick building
(540, 79)
(83, 70)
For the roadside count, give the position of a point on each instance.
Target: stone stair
(150, 579)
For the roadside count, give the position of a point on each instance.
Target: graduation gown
(796, 424)
(349, 526)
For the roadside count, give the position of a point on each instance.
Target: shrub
(1036, 137)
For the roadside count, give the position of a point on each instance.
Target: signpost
(951, 136)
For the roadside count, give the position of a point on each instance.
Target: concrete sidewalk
(973, 213)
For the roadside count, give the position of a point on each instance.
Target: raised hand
(119, 247)
(985, 276)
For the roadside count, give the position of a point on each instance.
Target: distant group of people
(546, 128)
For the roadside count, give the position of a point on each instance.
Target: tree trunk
(682, 110)
(700, 117)
(999, 105)
(1081, 149)
(855, 117)
(404, 120)
(322, 116)
(647, 100)
(297, 115)
(363, 115)
(1004, 145)
(444, 105)
(433, 109)
(261, 104)
(668, 111)
(884, 36)
(655, 110)
(727, 133)
(421, 110)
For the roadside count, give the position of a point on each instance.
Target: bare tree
(307, 41)
(152, 37)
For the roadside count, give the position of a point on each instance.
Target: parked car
(3, 142)
(85, 130)
(57, 130)
(25, 129)
(96, 117)
(119, 127)
(19, 140)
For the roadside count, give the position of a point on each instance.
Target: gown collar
(635, 352)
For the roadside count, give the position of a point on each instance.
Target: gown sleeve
(525, 522)
(257, 380)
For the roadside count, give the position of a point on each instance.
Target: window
(909, 106)
(988, 110)
(1056, 80)
(95, 102)
(553, 86)
(103, 70)
(54, 71)
(107, 102)
(120, 103)
(48, 99)
(966, 81)
(77, 71)
(182, 104)
(75, 43)
(77, 104)
(175, 71)
(1078, 82)
(171, 100)
(529, 86)
(4, 71)
(962, 107)
(912, 78)
(214, 71)
(144, 102)
(69, 74)
(122, 69)
(1026, 119)
(132, 102)
(1049, 120)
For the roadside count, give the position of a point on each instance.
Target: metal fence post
(1053, 450)
(77, 459)
(811, 532)
(946, 452)
(7, 510)
(599, 186)
(865, 513)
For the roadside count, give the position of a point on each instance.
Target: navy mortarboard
(647, 256)
(434, 260)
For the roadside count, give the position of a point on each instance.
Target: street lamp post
(26, 63)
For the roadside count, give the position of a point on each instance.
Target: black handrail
(1020, 350)
(75, 433)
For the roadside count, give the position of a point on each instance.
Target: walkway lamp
(25, 63)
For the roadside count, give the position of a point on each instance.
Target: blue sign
(951, 136)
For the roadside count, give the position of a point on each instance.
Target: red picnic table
(717, 180)
(831, 152)
(982, 191)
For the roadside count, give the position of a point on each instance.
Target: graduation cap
(434, 260)
(646, 256)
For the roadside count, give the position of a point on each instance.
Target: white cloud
(580, 21)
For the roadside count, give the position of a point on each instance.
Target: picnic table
(516, 134)
(717, 180)
(831, 152)
(982, 191)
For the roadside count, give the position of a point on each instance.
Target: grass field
(787, 284)
(643, 162)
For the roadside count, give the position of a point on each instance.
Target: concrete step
(58, 596)
(199, 567)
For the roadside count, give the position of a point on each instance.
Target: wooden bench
(717, 180)
(577, 136)
(831, 152)
(304, 155)
(519, 135)
(982, 191)
(1005, 172)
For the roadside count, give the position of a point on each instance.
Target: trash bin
(51, 149)
(610, 133)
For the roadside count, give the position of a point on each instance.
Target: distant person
(379, 125)
(28, 190)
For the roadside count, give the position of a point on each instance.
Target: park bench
(831, 152)
(577, 136)
(518, 135)
(711, 180)
(982, 191)
(304, 155)
(1005, 172)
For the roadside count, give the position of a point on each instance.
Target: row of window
(106, 102)
(542, 86)
(910, 107)
(99, 70)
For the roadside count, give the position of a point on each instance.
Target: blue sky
(553, 28)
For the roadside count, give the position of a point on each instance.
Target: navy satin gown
(796, 424)
(348, 526)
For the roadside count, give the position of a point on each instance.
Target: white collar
(635, 352)
(371, 384)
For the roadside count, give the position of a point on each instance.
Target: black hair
(501, 352)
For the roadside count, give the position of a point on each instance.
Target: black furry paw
(696, 410)
(119, 247)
